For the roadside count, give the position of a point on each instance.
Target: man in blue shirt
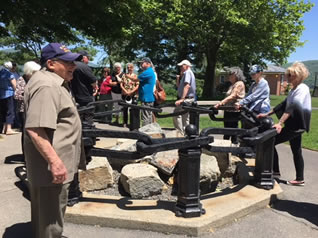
(7, 88)
(147, 80)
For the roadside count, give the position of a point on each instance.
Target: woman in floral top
(129, 90)
(235, 94)
(29, 69)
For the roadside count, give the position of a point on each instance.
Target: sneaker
(296, 182)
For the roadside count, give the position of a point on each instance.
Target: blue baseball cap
(146, 59)
(256, 69)
(57, 50)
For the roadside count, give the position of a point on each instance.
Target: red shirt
(105, 88)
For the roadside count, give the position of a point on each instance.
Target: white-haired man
(52, 141)
(186, 94)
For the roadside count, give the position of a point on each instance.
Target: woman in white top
(294, 113)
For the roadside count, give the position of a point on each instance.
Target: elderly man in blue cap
(52, 140)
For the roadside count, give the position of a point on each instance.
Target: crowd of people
(294, 112)
(46, 98)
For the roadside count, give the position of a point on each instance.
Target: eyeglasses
(67, 63)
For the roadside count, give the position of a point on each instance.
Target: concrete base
(151, 215)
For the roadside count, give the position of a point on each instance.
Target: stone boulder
(126, 145)
(154, 130)
(209, 173)
(165, 161)
(97, 176)
(141, 180)
(173, 134)
(226, 165)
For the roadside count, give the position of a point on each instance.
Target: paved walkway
(292, 217)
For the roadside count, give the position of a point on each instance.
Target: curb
(152, 215)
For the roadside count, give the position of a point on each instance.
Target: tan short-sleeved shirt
(49, 105)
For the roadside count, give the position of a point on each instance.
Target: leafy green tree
(239, 32)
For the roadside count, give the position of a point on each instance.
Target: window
(222, 79)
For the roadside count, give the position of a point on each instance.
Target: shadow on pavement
(20, 172)
(14, 159)
(307, 211)
(18, 230)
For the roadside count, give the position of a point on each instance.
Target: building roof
(274, 69)
(270, 69)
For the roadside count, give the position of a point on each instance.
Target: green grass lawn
(278, 99)
(310, 140)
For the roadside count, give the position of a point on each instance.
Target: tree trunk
(208, 88)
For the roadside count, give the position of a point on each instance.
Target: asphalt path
(294, 216)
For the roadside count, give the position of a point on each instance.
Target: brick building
(273, 74)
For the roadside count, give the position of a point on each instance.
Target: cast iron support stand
(134, 119)
(195, 120)
(263, 173)
(188, 202)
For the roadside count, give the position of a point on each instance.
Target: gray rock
(141, 180)
(126, 145)
(165, 161)
(154, 130)
(97, 176)
(209, 173)
(226, 166)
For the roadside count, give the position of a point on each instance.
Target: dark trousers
(105, 107)
(294, 138)
(87, 117)
(231, 124)
(6, 111)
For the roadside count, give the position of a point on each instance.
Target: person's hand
(178, 102)
(118, 78)
(217, 105)
(59, 172)
(237, 106)
(261, 115)
(278, 127)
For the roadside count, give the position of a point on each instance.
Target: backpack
(160, 94)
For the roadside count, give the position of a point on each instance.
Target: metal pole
(263, 173)
(188, 180)
(134, 119)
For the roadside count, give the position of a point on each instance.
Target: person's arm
(260, 90)
(112, 83)
(134, 90)
(184, 94)
(14, 84)
(95, 88)
(125, 92)
(278, 126)
(261, 115)
(235, 94)
(178, 80)
(132, 77)
(42, 144)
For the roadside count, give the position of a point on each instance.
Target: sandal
(296, 182)
(8, 133)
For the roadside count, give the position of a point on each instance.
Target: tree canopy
(207, 32)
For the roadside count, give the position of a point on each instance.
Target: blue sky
(310, 50)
